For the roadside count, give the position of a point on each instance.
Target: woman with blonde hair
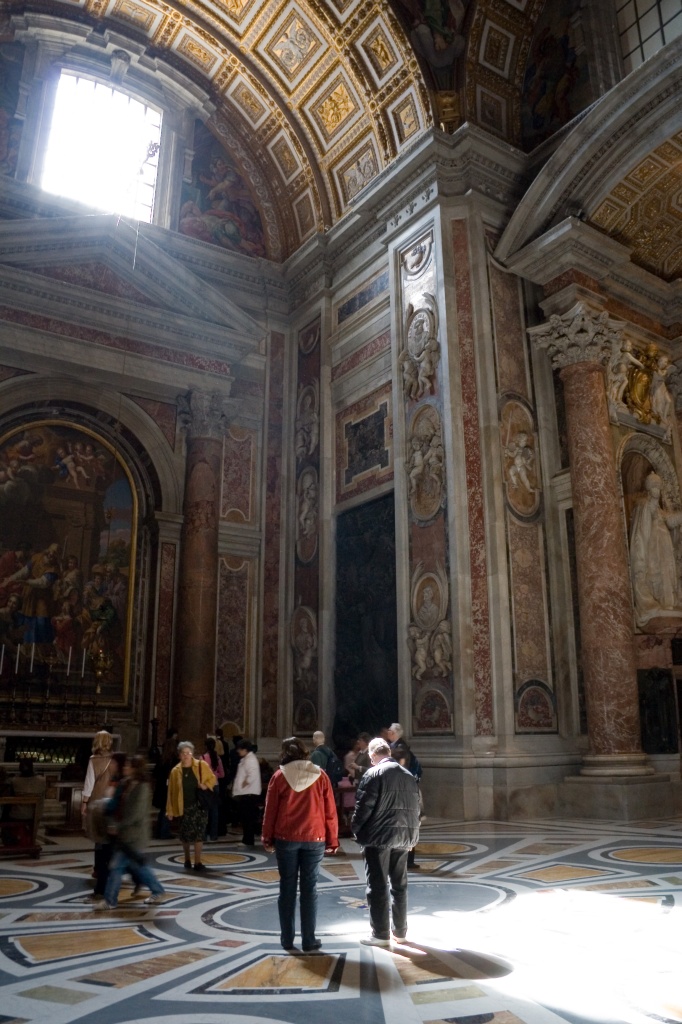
(185, 781)
(101, 771)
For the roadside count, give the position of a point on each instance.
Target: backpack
(333, 768)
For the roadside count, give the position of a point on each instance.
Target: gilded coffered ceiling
(644, 210)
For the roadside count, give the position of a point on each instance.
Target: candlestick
(68, 665)
(33, 651)
(83, 665)
(16, 667)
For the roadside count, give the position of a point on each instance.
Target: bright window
(103, 148)
(645, 26)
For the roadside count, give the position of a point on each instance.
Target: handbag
(206, 798)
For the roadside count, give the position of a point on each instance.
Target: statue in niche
(307, 424)
(419, 359)
(425, 464)
(653, 562)
(304, 644)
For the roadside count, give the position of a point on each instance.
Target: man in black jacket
(386, 825)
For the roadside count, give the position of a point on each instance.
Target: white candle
(2, 658)
(16, 667)
(83, 665)
(33, 651)
(155, 707)
(68, 666)
(106, 716)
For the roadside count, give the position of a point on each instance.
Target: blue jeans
(386, 870)
(294, 859)
(142, 875)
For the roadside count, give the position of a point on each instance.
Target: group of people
(300, 822)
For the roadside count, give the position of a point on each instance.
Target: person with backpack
(325, 758)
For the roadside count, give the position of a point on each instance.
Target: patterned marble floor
(539, 922)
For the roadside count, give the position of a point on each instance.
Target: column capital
(206, 413)
(582, 335)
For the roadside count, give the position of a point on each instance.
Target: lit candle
(2, 658)
(68, 666)
(33, 651)
(16, 667)
(83, 665)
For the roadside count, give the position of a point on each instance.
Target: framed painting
(68, 528)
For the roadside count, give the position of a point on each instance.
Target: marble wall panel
(97, 277)
(164, 637)
(480, 606)
(364, 444)
(164, 415)
(61, 328)
(304, 621)
(509, 333)
(272, 542)
(234, 641)
(653, 651)
(361, 298)
(239, 475)
(362, 355)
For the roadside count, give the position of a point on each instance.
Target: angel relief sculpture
(429, 634)
(426, 464)
(307, 421)
(637, 385)
(419, 359)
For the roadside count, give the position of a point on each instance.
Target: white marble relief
(429, 635)
(304, 645)
(419, 359)
(425, 464)
(307, 434)
(655, 556)
(519, 458)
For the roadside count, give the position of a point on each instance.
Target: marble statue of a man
(653, 565)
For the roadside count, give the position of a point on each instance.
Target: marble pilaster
(203, 416)
(577, 342)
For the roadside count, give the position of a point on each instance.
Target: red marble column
(195, 629)
(577, 342)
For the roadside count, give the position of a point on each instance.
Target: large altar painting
(68, 516)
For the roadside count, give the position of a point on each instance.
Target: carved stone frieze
(307, 435)
(429, 635)
(307, 512)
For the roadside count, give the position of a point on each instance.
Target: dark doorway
(366, 675)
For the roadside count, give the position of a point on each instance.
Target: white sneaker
(374, 940)
(154, 898)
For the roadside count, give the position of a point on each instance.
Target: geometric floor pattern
(534, 922)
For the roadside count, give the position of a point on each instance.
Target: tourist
(184, 783)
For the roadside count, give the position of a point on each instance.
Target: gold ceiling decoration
(644, 210)
(321, 94)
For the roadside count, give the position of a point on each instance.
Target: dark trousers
(294, 861)
(248, 811)
(384, 869)
(103, 852)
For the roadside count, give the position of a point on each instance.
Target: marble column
(578, 343)
(203, 416)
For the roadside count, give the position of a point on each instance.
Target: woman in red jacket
(299, 825)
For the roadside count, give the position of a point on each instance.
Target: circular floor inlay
(342, 909)
(648, 855)
(16, 886)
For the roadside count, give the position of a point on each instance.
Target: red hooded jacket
(299, 806)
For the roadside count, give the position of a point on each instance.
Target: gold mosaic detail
(496, 49)
(238, 9)
(334, 108)
(197, 54)
(358, 172)
(294, 46)
(285, 158)
(406, 119)
(379, 52)
(141, 17)
(249, 102)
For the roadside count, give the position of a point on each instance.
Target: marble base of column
(615, 765)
